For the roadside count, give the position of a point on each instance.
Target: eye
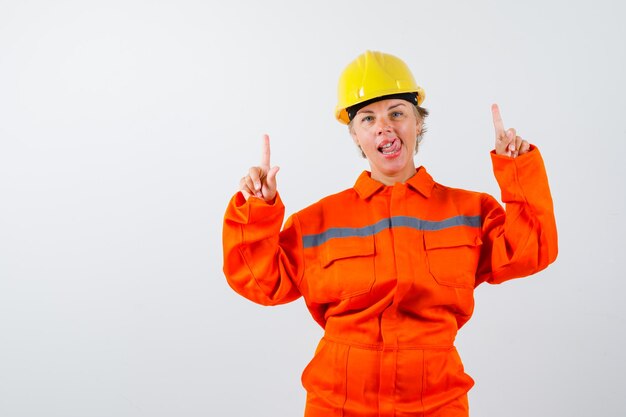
(396, 114)
(367, 119)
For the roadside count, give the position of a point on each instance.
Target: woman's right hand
(261, 180)
(507, 141)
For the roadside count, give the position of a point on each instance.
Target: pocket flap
(340, 248)
(452, 237)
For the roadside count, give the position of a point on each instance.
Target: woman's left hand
(507, 141)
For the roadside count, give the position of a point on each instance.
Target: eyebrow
(390, 107)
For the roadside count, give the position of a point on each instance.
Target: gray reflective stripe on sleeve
(310, 241)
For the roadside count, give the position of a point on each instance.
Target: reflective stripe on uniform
(311, 241)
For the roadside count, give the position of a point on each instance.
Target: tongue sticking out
(390, 148)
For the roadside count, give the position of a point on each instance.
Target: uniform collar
(421, 182)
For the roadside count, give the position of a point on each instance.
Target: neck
(391, 179)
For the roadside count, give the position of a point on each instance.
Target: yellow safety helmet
(372, 75)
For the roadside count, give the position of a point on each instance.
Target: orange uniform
(389, 273)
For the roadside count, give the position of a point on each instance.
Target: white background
(126, 125)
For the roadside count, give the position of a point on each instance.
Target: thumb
(510, 135)
(271, 177)
(269, 186)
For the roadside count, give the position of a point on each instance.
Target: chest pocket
(453, 255)
(347, 267)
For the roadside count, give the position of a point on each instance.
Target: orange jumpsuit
(389, 273)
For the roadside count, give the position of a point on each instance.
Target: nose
(383, 126)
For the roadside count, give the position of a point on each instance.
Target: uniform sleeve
(522, 239)
(261, 262)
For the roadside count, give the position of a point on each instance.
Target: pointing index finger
(497, 120)
(265, 155)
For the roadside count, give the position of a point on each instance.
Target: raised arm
(261, 262)
(522, 238)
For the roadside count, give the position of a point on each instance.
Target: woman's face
(386, 131)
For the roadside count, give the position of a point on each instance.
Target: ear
(419, 123)
(354, 137)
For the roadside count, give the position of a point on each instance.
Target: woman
(388, 267)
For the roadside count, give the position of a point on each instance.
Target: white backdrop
(126, 125)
